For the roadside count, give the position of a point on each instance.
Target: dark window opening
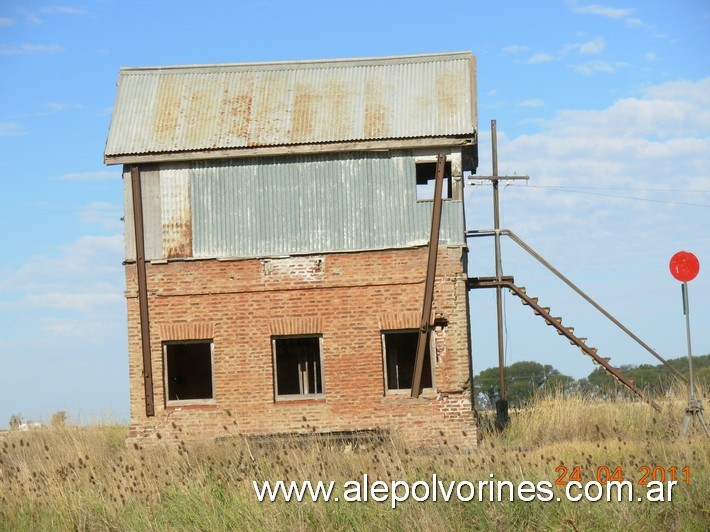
(400, 352)
(298, 366)
(426, 180)
(188, 367)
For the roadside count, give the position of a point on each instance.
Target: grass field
(86, 478)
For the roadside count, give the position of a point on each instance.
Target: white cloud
(100, 175)
(56, 107)
(593, 47)
(658, 140)
(31, 49)
(515, 49)
(676, 109)
(73, 302)
(63, 10)
(4, 21)
(598, 65)
(603, 11)
(105, 215)
(11, 129)
(540, 58)
(533, 102)
(81, 276)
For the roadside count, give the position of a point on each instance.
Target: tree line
(525, 379)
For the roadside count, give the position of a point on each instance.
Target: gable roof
(232, 110)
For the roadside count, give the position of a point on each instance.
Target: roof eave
(292, 149)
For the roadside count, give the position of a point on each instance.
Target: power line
(570, 187)
(621, 196)
(576, 190)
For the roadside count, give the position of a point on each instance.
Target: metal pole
(686, 310)
(695, 407)
(502, 404)
(142, 290)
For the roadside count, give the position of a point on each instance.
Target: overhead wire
(586, 191)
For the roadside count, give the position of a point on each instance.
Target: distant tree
(653, 379)
(522, 380)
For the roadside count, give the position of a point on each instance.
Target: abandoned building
(277, 221)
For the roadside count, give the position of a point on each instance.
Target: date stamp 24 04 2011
(642, 475)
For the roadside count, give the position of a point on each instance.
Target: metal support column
(502, 403)
(695, 406)
(142, 290)
(425, 323)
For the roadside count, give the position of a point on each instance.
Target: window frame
(300, 396)
(432, 360)
(166, 384)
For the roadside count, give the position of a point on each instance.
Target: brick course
(348, 298)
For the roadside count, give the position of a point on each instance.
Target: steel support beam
(142, 289)
(425, 323)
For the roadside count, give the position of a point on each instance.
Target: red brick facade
(348, 299)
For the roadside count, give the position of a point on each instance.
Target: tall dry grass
(88, 479)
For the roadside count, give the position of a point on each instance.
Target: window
(400, 351)
(426, 179)
(188, 372)
(298, 366)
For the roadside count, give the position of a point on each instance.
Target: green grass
(88, 479)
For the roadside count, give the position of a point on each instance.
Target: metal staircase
(562, 330)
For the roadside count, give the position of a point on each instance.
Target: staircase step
(533, 299)
(570, 329)
(581, 341)
(546, 309)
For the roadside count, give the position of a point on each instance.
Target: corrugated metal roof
(168, 110)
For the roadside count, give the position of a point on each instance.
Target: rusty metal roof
(229, 110)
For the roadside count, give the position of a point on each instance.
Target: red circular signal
(684, 266)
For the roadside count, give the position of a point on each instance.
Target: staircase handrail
(515, 238)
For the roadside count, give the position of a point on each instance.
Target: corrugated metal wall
(294, 205)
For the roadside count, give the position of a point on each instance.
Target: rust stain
(194, 126)
(376, 123)
(179, 245)
(448, 92)
(305, 108)
(177, 215)
(235, 111)
(166, 115)
(270, 110)
(335, 103)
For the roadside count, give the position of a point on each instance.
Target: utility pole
(502, 417)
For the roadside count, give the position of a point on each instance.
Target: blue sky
(606, 106)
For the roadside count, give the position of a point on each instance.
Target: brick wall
(348, 298)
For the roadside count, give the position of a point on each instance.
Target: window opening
(400, 349)
(426, 180)
(298, 365)
(188, 371)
